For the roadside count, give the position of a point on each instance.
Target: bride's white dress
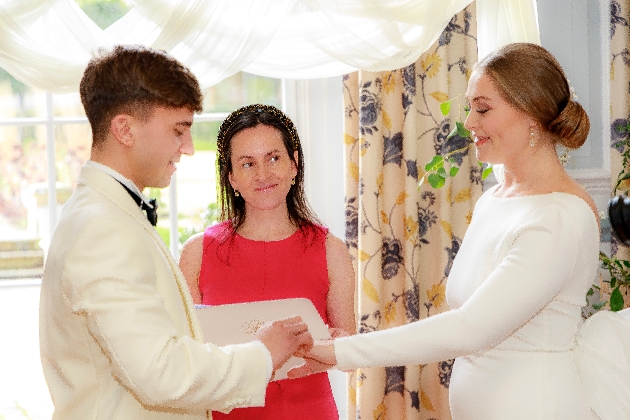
(515, 291)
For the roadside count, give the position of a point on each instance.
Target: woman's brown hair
(232, 206)
(529, 78)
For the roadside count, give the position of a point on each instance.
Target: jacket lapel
(95, 178)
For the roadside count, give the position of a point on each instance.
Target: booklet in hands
(237, 323)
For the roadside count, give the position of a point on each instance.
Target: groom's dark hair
(133, 80)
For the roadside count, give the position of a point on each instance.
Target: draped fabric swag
(47, 43)
(404, 238)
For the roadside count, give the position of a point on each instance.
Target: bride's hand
(337, 332)
(320, 359)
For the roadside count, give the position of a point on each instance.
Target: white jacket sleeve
(539, 262)
(109, 278)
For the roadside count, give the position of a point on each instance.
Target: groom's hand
(284, 338)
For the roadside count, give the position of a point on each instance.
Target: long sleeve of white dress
(522, 262)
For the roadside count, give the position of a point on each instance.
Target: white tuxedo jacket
(118, 334)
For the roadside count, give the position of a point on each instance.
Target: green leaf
(623, 178)
(486, 172)
(445, 107)
(480, 164)
(436, 163)
(616, 300)
(461, 130)
(599, 305)
(626, 176)
(613, 281)
(590, 292)
(626, 263)
(442, 172)
(436, 180)
(452, 133)
(453, 171)
(452, 160)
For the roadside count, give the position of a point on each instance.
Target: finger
(295, 324)
(338, 332)
(296, 329)
(296, 319)
(304, 339)
(303, 350)
(317, 362)
(299, 371)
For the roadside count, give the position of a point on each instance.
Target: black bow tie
(151, 211)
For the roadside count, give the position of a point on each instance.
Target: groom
(118, 334)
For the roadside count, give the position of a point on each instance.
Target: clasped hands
(290, 337)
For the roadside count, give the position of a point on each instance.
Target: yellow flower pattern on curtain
(404, 238)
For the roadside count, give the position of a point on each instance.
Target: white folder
(237, 323)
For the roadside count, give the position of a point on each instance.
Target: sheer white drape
(500, 22)
(47, 43)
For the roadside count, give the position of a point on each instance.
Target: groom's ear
(121, 129)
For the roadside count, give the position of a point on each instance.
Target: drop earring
(292, 181)
(532, 143)
(237, 194)
(564, 158)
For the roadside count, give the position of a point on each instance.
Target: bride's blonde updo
(529, 78)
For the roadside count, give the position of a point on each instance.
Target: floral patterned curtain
(619, 104)
(404, 238)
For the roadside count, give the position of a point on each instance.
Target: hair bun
(571, 125)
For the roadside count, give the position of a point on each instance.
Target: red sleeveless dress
(235, 270)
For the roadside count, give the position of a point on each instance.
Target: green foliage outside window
(104, 12)
(209, 216)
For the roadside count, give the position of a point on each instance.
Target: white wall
(576, 32)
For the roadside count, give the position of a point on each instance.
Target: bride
(519, 280)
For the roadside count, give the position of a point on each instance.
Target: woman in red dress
(270, 246)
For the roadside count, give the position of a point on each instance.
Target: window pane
(23, 174)
(242, 89)
(72, 150)
(196, 186)
(205, 135)
(68, 105)
(163, 224)
(196, 182)
(18, 100)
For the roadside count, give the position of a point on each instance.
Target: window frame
(51, 122)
